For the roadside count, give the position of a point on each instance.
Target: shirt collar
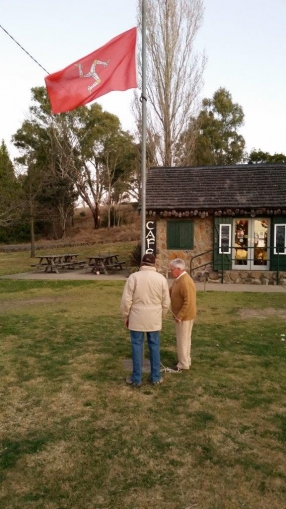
(181, 275)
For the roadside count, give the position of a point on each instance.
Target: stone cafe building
(227, 222)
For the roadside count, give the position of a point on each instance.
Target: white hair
(178, 263)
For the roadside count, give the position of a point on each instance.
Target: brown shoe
(175, 368)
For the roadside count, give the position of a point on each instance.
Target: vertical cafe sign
(150, 238)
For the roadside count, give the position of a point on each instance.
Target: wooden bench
(80, 263)
(46, 267)
(75, 264)
(64, 265)
(55, 266)
(115, 265)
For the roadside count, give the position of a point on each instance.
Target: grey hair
(178, 263)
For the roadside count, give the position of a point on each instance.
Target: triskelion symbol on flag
(92, 73)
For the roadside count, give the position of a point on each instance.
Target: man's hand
(126, 323)
(178, 320)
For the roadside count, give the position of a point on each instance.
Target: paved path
(122, 275)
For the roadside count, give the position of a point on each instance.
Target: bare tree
(9, 215)
(174, 71)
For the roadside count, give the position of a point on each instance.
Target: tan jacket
(183, 297)
(145, 300)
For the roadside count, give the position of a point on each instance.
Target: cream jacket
(145, 300)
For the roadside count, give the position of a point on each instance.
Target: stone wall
(203, 241)
(203, 237)
(255, 277)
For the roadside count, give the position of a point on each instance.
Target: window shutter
(180, 235)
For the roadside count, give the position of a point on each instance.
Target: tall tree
(9, 189)
(32, 183)
(212, 137)
(258, 156)
(47, 170)
(101, 145)
(6, 166)
(118, 160)
(70, 148)
(173, 72)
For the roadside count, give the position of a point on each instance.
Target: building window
(180, 234)
(280, 239)
(224, 238)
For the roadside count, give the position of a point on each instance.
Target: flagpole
(143, 142)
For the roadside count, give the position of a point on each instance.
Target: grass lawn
(75, 436)
(15, 262)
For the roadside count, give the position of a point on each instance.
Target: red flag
(111, 67)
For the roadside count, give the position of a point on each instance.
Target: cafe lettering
(150, 238)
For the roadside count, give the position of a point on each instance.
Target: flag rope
(24, 49)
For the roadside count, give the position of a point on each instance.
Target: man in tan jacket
(183, 305)
(144, 302)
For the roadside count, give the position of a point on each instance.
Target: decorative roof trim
(217, 213)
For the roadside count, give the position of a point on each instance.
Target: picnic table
(54, 262)
(102, 263)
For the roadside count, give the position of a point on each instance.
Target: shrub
(135, 257)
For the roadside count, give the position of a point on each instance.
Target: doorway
(250, 243)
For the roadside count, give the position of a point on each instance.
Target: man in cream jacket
(144, 302)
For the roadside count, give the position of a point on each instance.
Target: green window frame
(180, 234)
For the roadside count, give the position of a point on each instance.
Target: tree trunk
(108, 215)
(32, 232)
(96, 217)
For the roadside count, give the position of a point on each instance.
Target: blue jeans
(137, 341)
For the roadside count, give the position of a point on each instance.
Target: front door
(250, 244)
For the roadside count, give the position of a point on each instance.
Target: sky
(245, 43)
